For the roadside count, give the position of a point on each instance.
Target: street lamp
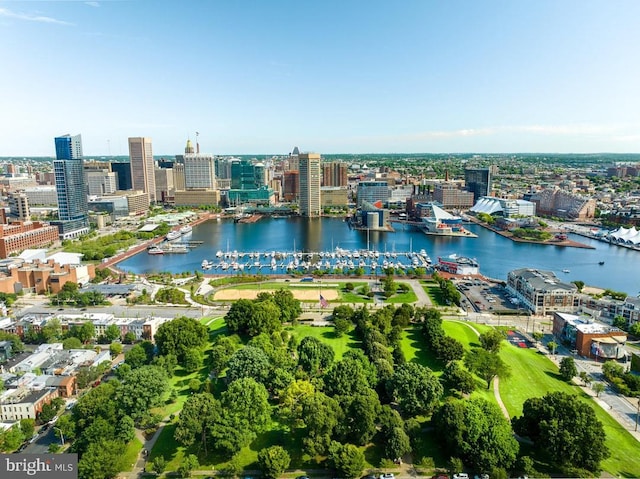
(61, 435)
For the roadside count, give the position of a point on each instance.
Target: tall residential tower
(309, 184)
(73, 210)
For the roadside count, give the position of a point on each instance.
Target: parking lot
(482, 295)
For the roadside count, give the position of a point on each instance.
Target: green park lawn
(400, 298)
(131, 454)
(541, 376)
(434, 292)
(327, 335)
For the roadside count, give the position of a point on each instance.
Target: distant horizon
(480, 154)
(357, 76)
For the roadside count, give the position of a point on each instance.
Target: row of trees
(450, 293)
(70, 294)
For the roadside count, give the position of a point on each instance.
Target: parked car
(387, 475)
(461, 475)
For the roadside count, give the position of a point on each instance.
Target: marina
(338, 261)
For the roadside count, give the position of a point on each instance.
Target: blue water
(496, 255)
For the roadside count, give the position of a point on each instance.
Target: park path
(496, 380)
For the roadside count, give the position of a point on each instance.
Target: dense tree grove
(264, 314)
(478, 433)
(561, 425)
(179, 336)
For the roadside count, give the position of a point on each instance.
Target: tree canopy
(478, 433)
(561, 425)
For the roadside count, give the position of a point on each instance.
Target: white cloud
(92, 4)
(32, 18)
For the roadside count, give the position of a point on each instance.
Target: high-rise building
(309, 184)
(19, 207)
(123, 175)
(199, 171)
(142, 166)
(100, 182)
(478, 181)
(73, 211)
(334, 174)
(374, 192)
(244, 177)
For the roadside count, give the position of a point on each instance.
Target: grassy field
(435, 293)
(131, 454)
(327, 335)
(541, 376)
(399, 298)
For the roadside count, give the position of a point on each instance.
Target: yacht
(173, 235)
(185, 230)
(155, 250)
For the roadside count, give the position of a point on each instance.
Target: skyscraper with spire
(73, 209)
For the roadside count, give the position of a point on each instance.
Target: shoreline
(563, 243)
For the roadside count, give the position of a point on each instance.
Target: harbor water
(496, 255)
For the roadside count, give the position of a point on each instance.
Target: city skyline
(367, 77)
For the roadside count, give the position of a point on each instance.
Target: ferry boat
(155, 250)
(173, 235)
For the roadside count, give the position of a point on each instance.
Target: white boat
(155, 250)
(173, 235)
(566, 271)
(185, 230)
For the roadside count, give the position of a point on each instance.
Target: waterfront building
(19, 236)
(451, 196)
(334, 196)
(142, 166)
(334, 174)
(541, 291)
(255, 196)
(73, 212)
(436, 221)
(374, 192)
(123, 175)
(309, 164)
(557, 202)
(461, 265)
(589, 338)
(506, 208)
(19, 207)
(478, 181)
(373, 218)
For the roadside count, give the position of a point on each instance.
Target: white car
(387, 475)
(461, 475)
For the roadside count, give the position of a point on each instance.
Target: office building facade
(374, 192)
(310, 204)
(142, 166)
(123, 175)
(478, 181)
(334, 174)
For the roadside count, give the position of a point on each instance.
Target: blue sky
(346, 76)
